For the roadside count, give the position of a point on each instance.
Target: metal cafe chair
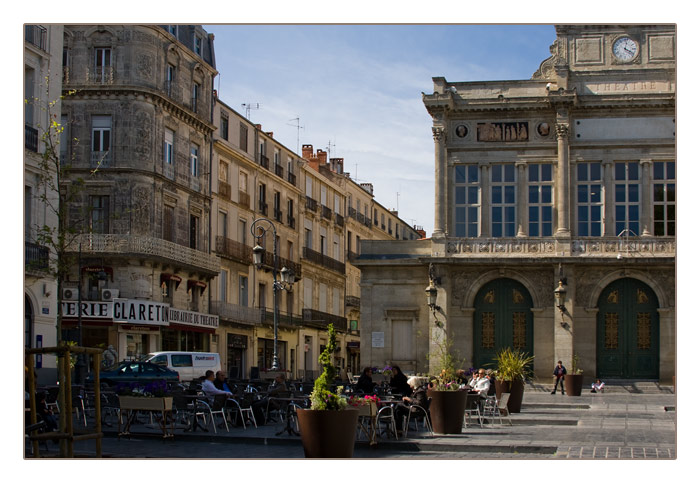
(418, 413)
(386, 415)
(234, 407)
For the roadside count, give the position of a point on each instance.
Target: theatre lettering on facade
(565, 181)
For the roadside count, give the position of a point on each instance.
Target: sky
(356, 91)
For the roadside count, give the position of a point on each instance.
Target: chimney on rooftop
(337, 165)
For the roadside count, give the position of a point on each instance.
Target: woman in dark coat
(364, 383)
(399, 382)
(418, 397)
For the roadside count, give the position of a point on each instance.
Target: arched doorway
(627, 331)
(502, 318)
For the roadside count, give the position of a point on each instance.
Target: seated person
(221, 383)
(208, 387)
(472, 382)
(399, 382)
(45, 413)
(365, 383)
(482, 385)
(418, 397)
(276, 389)
(597, 386)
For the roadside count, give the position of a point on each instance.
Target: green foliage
(446, 362)
(321, 397)
(513, 365)
(575, 369)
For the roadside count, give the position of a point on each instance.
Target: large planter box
(447, 411)
(328, 434)
(516, 390)
(145, 403)
(573, 384)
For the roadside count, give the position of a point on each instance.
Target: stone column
(485, 200)
(609, 201)
(563, 215)
(440, 172)
(521, 215)
(646, 200)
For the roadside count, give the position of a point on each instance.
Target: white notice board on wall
(377, 339)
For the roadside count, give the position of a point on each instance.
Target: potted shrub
(573, 381)
(512, 368)
(448, 401)
(328, 428)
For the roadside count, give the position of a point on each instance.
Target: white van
(190, 365)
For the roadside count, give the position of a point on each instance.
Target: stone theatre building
(565, 182)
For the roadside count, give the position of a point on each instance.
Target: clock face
(625, 49)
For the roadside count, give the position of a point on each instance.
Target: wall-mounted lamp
(164, 289)
(560, 298)
(431, 296)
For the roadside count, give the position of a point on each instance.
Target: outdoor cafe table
(291, 401)
(132, 405)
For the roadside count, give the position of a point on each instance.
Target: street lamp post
(286, 276)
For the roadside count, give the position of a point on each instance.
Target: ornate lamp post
(286, 276)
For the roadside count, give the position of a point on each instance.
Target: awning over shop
(166, 277)
(195, 283)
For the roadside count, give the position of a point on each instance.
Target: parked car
(190, 365)
(137, 371)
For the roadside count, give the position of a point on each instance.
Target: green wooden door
(628, 331)
(502, 318)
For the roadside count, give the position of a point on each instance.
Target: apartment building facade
(554, 216)
(42, 93)
(138, 128)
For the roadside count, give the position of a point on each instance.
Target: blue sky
(358, 88)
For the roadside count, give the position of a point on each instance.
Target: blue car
(138, 372)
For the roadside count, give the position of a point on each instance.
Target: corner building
(138, 131)
(566, 179)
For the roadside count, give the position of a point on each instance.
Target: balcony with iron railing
(243, 199)
(283, 318)
(352, 301)
(323, 260)
(36, 257)
(100, 75)
(36, 35)
(268, 263)
(31, 138)
(311, 204)
(225, 189)
(264, 161)
(100, 159)
(146, 247)
(233, 250)
(277, 214)
(339, 220)
(262, 207)
(236, 313)
(320, 320)
(279, 171)
(291, 221)
(292, 178)
(326, 212)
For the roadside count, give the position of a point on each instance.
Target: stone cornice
(130, 92)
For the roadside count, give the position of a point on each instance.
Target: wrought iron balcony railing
(292, 178)
(320, 320)
(31, 138)
(234, 250)
(236, 313)
(311, 204)
(326, 212)
(323, 260)
(36, 257)
(147, 247)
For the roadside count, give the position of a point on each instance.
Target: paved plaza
(616, 425)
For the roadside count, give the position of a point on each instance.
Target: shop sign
(195, 319)
(143, 312)
(93, 310)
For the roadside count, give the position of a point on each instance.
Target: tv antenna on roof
(329, 147)
(248, 106)
(298, 126)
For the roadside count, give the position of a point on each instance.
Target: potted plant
(448, 401)
(328, 428)
(573, 382)
(512, 368)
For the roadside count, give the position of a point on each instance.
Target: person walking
(559, 373)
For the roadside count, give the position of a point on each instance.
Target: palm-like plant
(512, 365)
